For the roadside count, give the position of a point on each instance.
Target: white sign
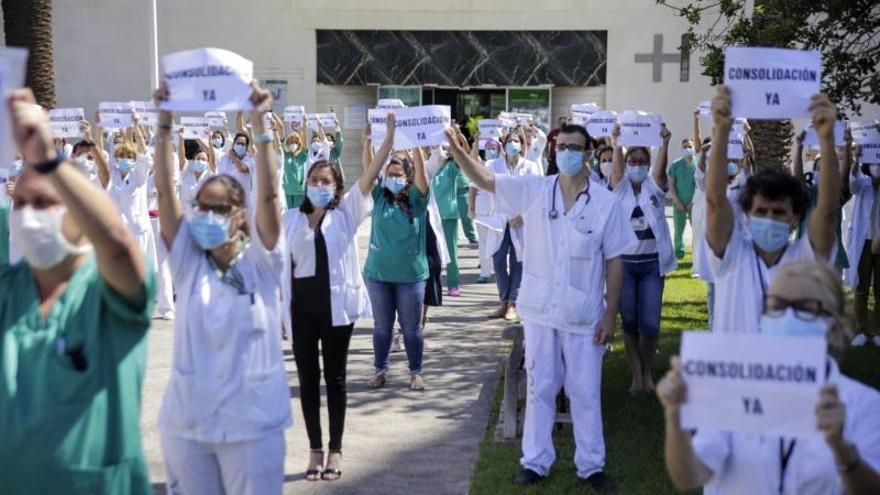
(216, 120)
(328, 120)
(705, 108)
(416, 127)
(508, 118)
(752, 383)
(66, 122)
(862, 130)
(601, 123)
(523, 119)
(585, 108)
(294, 114)
(390, 104)
(114, 115)
(195, 127)
(639, 129)
(12, 70)
(207, 79)
(378, 127)
(771, 83)
(735, 144)
(490, 129)
(147, 111)
(812, 139)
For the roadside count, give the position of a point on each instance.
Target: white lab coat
(348, 295)
(130, 195)
(743, 463)
(860, 229)
(190, 185)
(499, 220)
(435, 221)
(535, 152)
(246, 180)
(652, 201)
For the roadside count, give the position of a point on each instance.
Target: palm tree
(28, 23)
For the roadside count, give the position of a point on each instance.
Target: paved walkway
(396, 441)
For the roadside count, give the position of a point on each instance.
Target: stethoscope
(554, 214)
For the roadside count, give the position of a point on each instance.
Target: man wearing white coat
(573, 237)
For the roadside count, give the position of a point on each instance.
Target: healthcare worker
(397, 266)
(605, 158)
(507, 257)
(239, 164)
(227, 403)
(444, 187)
(574, 236)
(682, 186)
(295, 160)
(804, 299)
(481, 209)
(73, 322)
(536, 143)
(641, 192)
(325, 295)
(773, 202)
(195, 169)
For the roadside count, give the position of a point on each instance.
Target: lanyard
(784, 458)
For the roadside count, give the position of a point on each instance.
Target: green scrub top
(445, 187)
(685, 183)
(336, 153)
(295, 172)
(4, 233)
(397, 239)
(70, 386)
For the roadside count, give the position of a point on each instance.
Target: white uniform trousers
(486, 263)
(554, 359)
(255, 467)
(164, 287)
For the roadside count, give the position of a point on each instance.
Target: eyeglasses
(571, 147)
(804, 309)
(218, 209)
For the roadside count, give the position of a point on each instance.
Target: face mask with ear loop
(38, 235)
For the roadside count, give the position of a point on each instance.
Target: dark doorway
(468, 106)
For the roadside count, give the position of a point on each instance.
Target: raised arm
(181, 151)
(367, 150)
(719, 213)
(479, 175)
(119, 257)
(660, 176)
(170, 210)
(99, 133)
(617, 170)
(268, 214)
(847, 153)
(475, 149)
(138, 136)
(698, 140)
(823, 220)
(421, 179)
(798, 159)
(373, 165)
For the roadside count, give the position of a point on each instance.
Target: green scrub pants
(450, 231)
(466, 223)
(679, 219)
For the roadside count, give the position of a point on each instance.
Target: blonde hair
(125, 149)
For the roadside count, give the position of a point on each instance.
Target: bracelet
(49, 166)
(265, 137)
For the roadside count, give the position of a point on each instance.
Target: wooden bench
(510, 420)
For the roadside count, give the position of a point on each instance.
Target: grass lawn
(633, 425)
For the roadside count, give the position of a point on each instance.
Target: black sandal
(332, 474)
(315, 474)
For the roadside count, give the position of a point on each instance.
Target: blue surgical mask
(732, 169)
(491, 153)
(316, 147)
(124, 165)
(769, 235)
(789, 324)
(320, 196)
(570, 162)
(637, 173)
(394, 184)
(199, 165)
(218, 143)
(512, 148)
(240, 149)
(84, 164)
(688, 153)
(209, 230)
(15, 168)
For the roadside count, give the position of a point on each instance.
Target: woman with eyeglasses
(227, 404)
(397, 266)
(325, 295)
(643, 197)
(804, 299)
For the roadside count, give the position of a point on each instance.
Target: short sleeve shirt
(685, 183)
(295, 172)
(444, 185)
(70, 386)
(397, 239)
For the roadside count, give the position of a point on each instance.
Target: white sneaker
(395, 345)
(859, 340)
(876, 340)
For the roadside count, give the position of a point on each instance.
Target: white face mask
(292, 147)
(606, 168)
(37, 234)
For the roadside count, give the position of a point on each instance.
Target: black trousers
(308, 330)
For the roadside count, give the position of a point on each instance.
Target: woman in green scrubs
(73, 321)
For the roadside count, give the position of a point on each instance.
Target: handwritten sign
(639, 129)
(114, 115)
(207, 79)
(490, 129)
(416, 127)
(390, 104)
(195, 127)
(757, 384)
(147, 111)
(812, 139)
(771, 83)
(601, 123)
(66, 122)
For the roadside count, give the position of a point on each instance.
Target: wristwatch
(49, 166)
(853, 464)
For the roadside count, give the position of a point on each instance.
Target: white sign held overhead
(378, 126)
(490, 129)
(195, 127)
(207, 79)
(114, 115)
(812, 139)
(147, 111)
(601, 123)
(66, 122)
(771, 83)
(390, 104)
(705, 108)
(416, 127)
(328, 120)
(523, 119)
(753, 384)
(294, 114)
(863, 129)
(578, 118)
(508, 118)
(869, 141)
(735, 146)
(639, 128)
(216, 120)
(585, 108)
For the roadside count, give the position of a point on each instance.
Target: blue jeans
(404, 300)
(641, 296)
(508, 282)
